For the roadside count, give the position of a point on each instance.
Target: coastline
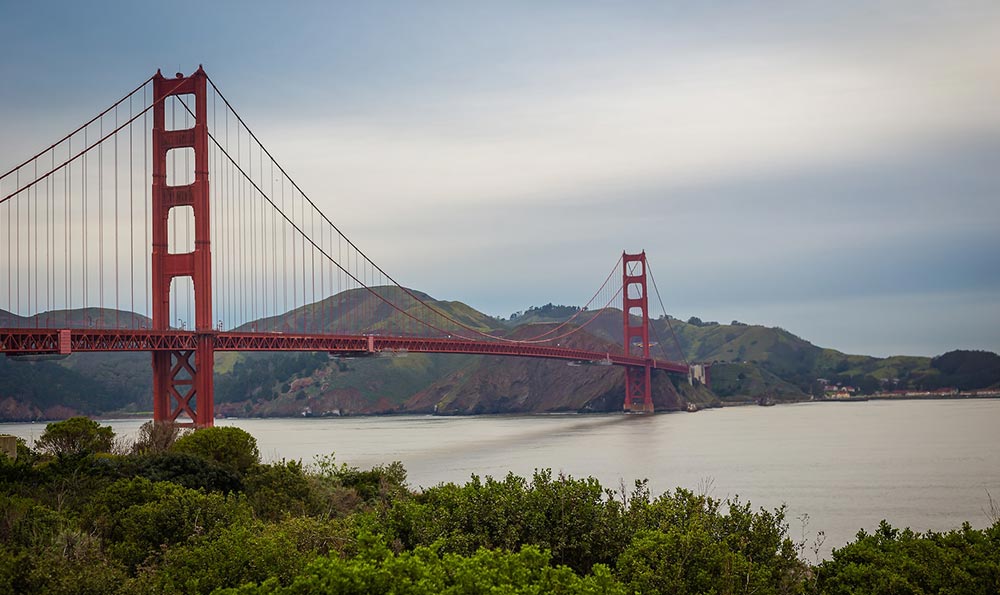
(744, 402)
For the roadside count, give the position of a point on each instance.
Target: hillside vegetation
(749, 362)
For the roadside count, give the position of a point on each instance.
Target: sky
(829, 168)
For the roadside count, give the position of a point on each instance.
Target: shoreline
(721, 405)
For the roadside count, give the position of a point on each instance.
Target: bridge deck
(56, 341)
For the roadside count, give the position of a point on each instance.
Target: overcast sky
(832, 168)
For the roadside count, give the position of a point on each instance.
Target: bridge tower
(638, 396)
(182, 380)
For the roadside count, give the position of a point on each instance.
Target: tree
(184, 469)
(575, 519)
(429, 570)
(136, 517)
(156, 437)
(889, 560)
(76, 435)
(231, 447)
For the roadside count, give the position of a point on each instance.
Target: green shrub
(74, 436)
(230, 447)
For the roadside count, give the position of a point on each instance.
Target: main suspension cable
(84, 151)
(89, 122)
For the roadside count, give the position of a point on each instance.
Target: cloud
(675, 120)
(504, 155)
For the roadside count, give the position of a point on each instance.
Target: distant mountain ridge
(751, 362)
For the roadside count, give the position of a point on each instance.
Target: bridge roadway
(64, 341)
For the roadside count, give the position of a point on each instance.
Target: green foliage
(428, 570)
(382, 483)
(569, 517)
(190, 520)
(186, 470)
(686, 544)
(742, 381)
(281, 489)
(967, 369)
(695, 321)
(250, 552)
(547, 313)
(75, 436)
(890, 561)
(27, 523)
(229, 446)
(156, 437)
(259, 374)
(136, 517)
(73, 564)
(44, 384)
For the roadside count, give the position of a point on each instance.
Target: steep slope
(314, 383)
(522, 385)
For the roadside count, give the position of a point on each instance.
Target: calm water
(923, 464)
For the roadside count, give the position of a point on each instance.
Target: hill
(749, 362)
(55, 387)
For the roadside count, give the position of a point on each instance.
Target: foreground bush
(204, 515)
(427, 571)
(889, 561)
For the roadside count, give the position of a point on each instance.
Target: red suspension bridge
(119, 217)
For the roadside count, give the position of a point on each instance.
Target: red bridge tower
(181, 385)
(638, 396)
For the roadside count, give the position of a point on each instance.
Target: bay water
(839, 467)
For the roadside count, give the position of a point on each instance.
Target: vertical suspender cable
(68, 230)
(85, 187)
(340, 279)
(189, 179)
(146, 224)
(33, 238)
(117, 224)
(53, 259)
(17, 230)
(131, 217)
(252, 217)
(213, 205)
(174, 316)
(242, 229)
(274, 260)
(218, 227)
(260, 271)
(100, 228)
(10, 265)
(227, 241)
(48, 250)
(233, 235)
(302, 263)
(322, 285)
(312, 263)
(265, 240)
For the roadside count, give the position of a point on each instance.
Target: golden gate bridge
(167, 203)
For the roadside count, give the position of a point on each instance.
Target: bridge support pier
(638, 394)
(180, 385)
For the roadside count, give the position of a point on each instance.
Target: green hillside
(748, 362)
(362, 311)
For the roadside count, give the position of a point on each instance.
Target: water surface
(924, 464)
